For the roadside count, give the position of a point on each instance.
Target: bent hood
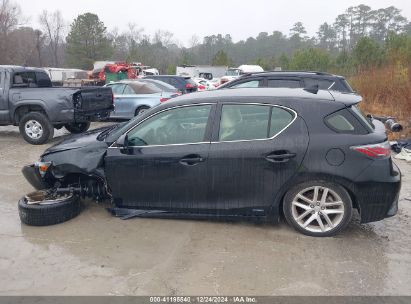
(82, 153)
(78, 141)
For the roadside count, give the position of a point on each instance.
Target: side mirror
(123, 144)
(122, 141)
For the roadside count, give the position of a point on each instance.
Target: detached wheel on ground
(77, 128)
(141, 110)
(36, 209)
(318, 208)
(36, 128)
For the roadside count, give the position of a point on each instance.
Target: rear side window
(252, 122)
(323, 84)
(117, 88)
(190, 81)
(43, 80)
(247, 84)
(345, 122)
(284, 83)
(128, 91)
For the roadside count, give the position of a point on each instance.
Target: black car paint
(178, 82)
(154, 177)
(341, 85)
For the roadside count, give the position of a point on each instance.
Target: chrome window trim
(261, 139)
(154, 114)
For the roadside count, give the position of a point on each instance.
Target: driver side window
(176, 126)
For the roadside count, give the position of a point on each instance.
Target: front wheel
(318, 208)
(42, 209)
(77, 127)
(36, 128)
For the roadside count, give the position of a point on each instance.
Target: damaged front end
(73, 166)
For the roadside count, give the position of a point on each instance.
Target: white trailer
(201, 71)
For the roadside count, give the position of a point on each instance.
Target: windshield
(113, 134)
(233, 72)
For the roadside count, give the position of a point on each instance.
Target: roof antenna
(312, 89)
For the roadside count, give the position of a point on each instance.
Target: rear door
(256, 149)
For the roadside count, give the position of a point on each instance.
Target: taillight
(201, 87)
(189, 86)
(164, 99)
(382, 150)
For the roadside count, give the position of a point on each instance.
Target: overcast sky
(239, 18)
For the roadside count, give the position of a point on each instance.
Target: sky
(239, 18)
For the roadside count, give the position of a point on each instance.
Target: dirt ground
(97, 254)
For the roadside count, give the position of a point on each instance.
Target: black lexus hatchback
(240, 153)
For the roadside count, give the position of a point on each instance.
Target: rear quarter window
(344, 121)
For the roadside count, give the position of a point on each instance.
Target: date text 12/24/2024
(203, 299)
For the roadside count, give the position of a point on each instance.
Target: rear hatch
(191, 85)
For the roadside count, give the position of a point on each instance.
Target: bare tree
(10, 13)
(193, 41)
(164, 38)
(53, 27)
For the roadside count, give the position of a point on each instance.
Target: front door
(165, 165)
(256, 148)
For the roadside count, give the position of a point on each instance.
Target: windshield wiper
(106, 132)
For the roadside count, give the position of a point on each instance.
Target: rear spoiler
(349, 99)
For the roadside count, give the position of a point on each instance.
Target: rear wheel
(36, 128)
(141, 110)
(318, 208)
(77, 127)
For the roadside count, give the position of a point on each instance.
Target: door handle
(191, 160)
(282, 157)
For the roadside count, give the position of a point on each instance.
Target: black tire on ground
(44, 215)
(47, 129)
(77, 128)
(339, 190)
(140, 110)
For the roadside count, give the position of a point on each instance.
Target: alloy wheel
(318, 209)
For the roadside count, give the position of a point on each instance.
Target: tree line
(359, 38)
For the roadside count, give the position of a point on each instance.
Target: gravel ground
(97, 254)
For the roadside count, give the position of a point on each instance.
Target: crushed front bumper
(32, 175)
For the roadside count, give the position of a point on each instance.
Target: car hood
(88, 139)
(79, 154)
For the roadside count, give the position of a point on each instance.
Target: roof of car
(17, 68)
(292, 73)
(346, 98)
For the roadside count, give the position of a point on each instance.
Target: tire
(141, 110)
(77, 128)
(334, 212)
(45, 215)
(36, 128)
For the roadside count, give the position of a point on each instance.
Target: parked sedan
(183, 84)
(132, 98)
(240, 153)
(163, 86)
